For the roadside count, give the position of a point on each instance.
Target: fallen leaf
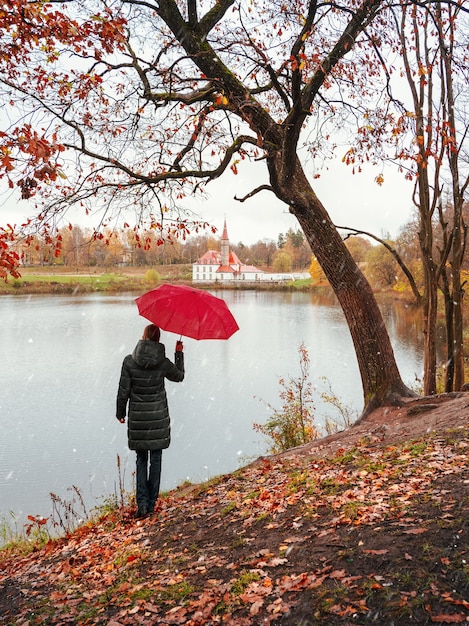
(256, 607)
(454, 618)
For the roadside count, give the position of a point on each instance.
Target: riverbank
(366, 526)
(82, 280)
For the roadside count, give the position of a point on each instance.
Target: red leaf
(132, 557)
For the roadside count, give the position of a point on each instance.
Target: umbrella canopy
(187, 311)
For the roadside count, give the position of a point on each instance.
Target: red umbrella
(187, 311)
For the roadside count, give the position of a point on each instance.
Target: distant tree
(408, 248)
(37, 252)
(358, 248)
(114, 254)
(74, 249)
(281, 241)
(213, 243)
(316, 271)
(98, 251)
(297, 247)
(295, 238)
(195, 247)
(240, 249)
(381, 268)
(388, 245)
(262, 252)
(282, 262)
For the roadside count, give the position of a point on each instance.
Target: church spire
(225, 247)
(225, 231)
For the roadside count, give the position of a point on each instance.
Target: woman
(142, 385)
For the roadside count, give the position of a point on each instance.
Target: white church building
(223, 266)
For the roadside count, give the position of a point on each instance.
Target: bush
(293, 424)
(346, 414)
(152, 277)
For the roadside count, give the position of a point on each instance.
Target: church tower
(225, 247)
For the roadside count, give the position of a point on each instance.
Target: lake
(61, 366)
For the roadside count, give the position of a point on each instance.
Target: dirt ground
(368, 526)
(414, 418)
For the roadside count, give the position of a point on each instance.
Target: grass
(66, 517)
(59, 279)
(243, 581)
(45, 283)
(71, 278)
(228, 508)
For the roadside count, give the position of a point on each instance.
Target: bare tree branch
(254, 192)
(395, 254)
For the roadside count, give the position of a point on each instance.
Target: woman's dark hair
(151, 332)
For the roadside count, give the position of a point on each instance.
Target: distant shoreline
(43, 281)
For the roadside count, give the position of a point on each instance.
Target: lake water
(60, 369)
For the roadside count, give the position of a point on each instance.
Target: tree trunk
(458, 302)
(381, 380)
(426, 207)
(446, 32)
(448, 300)
(430, 319)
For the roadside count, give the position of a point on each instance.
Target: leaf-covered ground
(367, 527)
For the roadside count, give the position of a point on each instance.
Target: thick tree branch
(192, 12)
(178, 174)
(298, 46)
(214, 15)
(294, 121)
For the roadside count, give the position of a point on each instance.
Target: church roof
(245, 269)
(250, 268)
(233, 258)
(214, 257)
(211, 256)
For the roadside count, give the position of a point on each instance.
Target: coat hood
(149, 354)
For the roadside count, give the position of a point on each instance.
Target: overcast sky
(351, 200)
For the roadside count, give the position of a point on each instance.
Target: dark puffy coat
(142, 385)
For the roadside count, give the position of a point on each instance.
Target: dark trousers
(148, 478)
